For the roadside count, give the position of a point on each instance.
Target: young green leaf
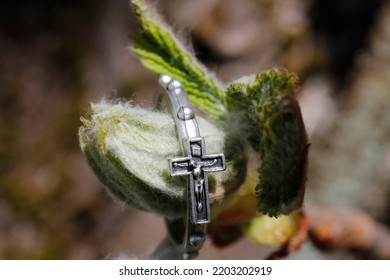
(162, 53)
(274, 128)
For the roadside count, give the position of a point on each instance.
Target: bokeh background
(56, 56)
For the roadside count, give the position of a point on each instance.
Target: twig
(351, 230)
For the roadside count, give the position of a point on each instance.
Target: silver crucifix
(197, 165)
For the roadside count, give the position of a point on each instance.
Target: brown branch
(352, 230)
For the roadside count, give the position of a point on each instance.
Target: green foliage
(128, 147)
(274, 127)
(162, 53)
(262, 112)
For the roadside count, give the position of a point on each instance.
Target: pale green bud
(128, 148)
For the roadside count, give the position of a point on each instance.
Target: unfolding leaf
(162, 53)
(275, 129)
(128, 148)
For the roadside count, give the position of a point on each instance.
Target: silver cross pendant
(197, 165)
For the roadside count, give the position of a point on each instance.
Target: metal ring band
(188, 235)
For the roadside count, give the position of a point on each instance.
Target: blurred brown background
(56, 56)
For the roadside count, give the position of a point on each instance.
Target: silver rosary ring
(188, 235)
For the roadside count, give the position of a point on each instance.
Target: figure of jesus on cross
(197, 165)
